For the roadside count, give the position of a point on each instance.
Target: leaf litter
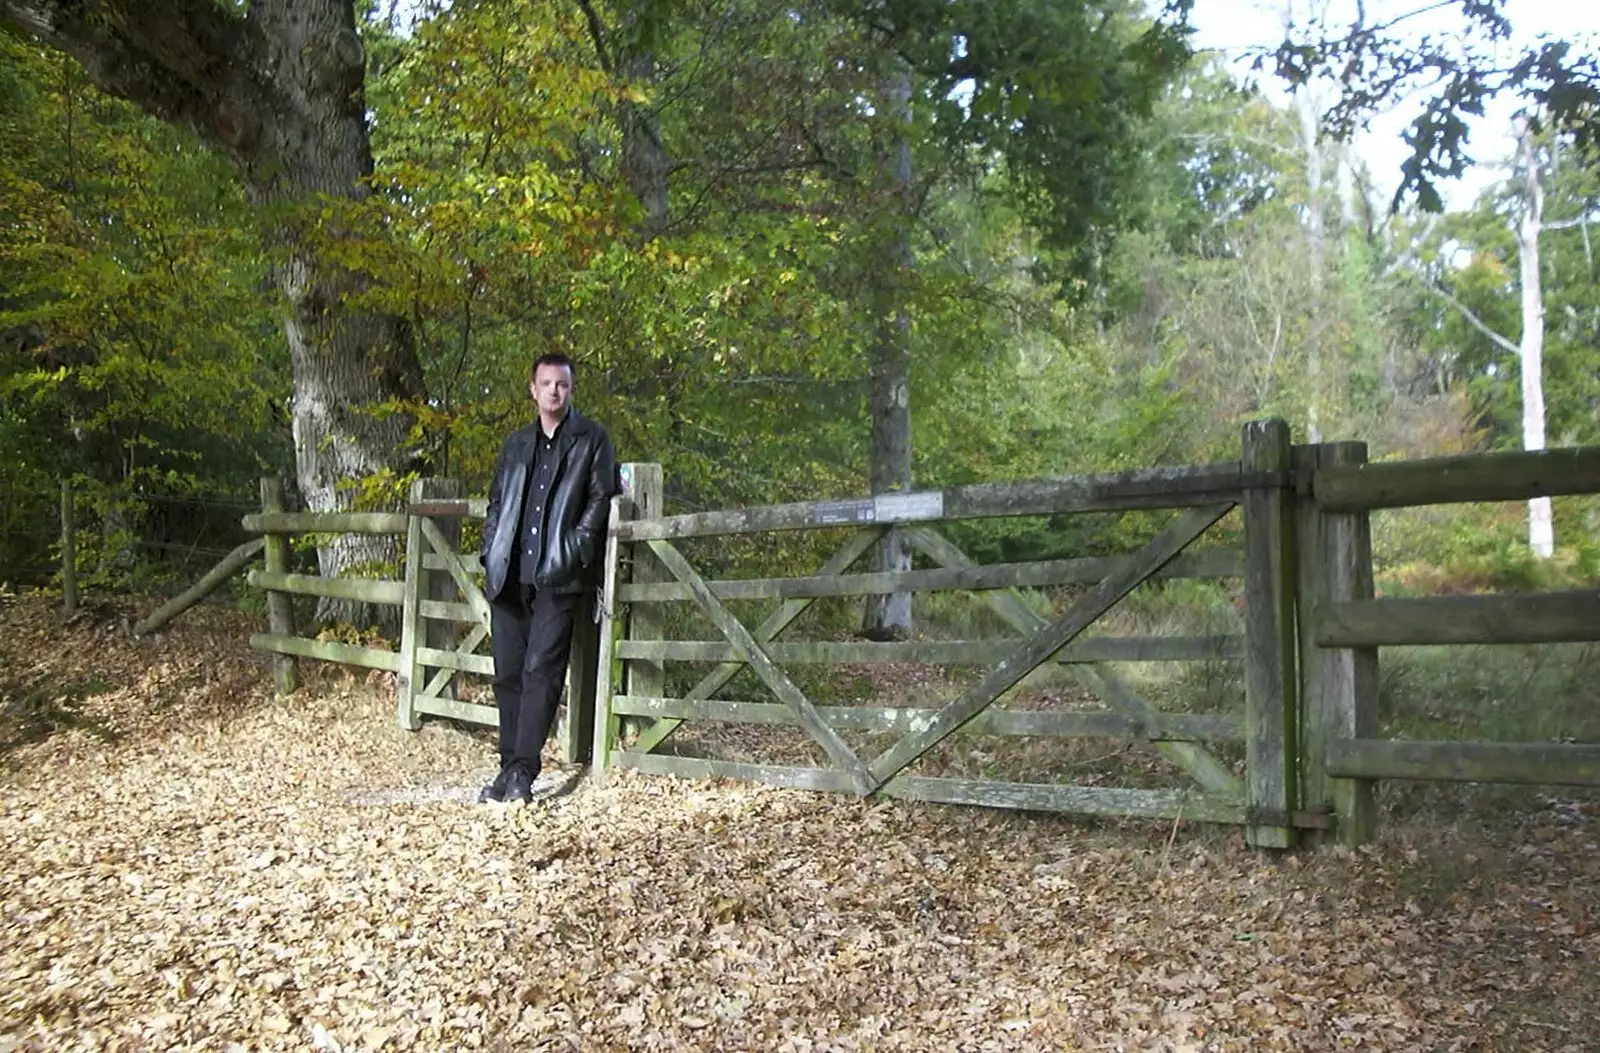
(193, 864)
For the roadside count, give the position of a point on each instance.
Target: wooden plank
(949, 652)
(280, 606)
(409, 671)
(1080, 800)
(836, 748)
(1271, 685)
(69, 554)
(644, 675)
(830, 780)
(473, 507)
(209, 582)
(470, 561)
(470, 712)
(1158, 727)
(607, 666)
(326, 523)
(481, 664)
(368, 590)
(469, 588)
(853, 549)
(1090, 800)
(1201, 764)
(1339, 686)
(1024, 659)
(455, 612)
(467, 645)
(1537, 617)
(1216, 563)
(438, 586)
(1539, 763)
(327, 651)
(1512, 476)
(1119, 491)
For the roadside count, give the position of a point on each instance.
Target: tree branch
(1466, 312)
(597, 34)
(185, 61)
(1567, 224)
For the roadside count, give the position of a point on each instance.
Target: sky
(1232, 27)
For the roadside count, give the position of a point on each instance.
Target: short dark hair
(551, 358)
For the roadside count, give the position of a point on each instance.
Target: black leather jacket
(575, 519)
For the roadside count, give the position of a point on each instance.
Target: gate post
(1340, 684)
(280, 605)
(646, 677)
(439, 584)
(1271, 683)
(422, 584)
(405, 681)
(69, 554)
(608, 673)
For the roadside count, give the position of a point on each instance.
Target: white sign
(909, 507)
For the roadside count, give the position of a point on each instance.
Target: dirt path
(228, 871)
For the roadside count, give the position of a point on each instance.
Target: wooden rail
(326, 523)
(1555, 764)
(948, 652)
(1548, 617)
(1152, 488)
(1467, 477)
(1215, 563)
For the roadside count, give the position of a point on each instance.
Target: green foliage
(134, 330)
(1484, 548)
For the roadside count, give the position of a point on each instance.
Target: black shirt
(541, 481)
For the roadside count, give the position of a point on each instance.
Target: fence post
(280, 605)
(1340, 683)
(440, 633)
(1271, 738)
(646, 677)
(69, 553)
(608, 668)
(406, 676)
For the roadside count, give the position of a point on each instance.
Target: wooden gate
(645, 570)
(1312, 627)
(446, 623)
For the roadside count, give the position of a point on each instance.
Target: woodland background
(1072, 244)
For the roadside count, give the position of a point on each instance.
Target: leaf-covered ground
(190, 864)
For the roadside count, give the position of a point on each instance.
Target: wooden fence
(1312, 628)
(444, 616)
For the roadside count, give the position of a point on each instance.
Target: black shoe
(519, 787)
(495, 791)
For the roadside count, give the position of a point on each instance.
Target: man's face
(551, 388)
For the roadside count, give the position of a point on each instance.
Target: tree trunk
(888, 616)
(644, 167)
(1316, 257)
(277, 86)
(1541, 526)
(644, 155)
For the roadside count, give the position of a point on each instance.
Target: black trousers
(531, 638)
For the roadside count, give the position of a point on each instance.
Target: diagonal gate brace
(774, 677)
(853, 549)
(1199, 762)
(1036, 650)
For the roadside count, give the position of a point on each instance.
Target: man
(543, 536)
